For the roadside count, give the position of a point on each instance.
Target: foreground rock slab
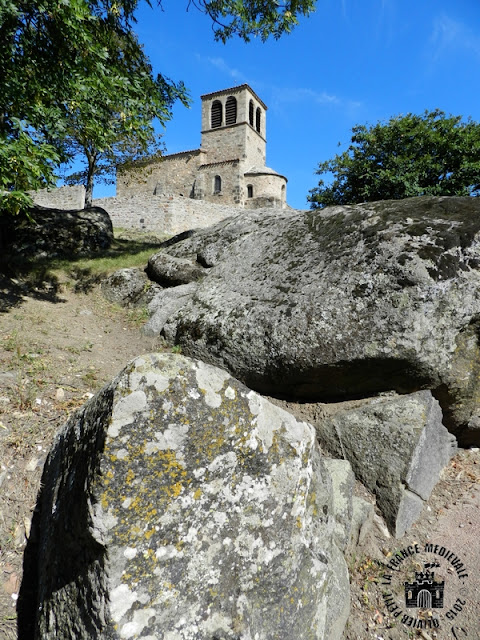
(347, 302)
(179, 505)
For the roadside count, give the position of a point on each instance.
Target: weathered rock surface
(397, 447)
(164, 304)
(57, 233)
(180, 505)
(171, 272)
(346, 302)
(129, 287)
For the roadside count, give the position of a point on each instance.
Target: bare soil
(58, 347)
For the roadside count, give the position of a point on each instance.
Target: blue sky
(351, 62)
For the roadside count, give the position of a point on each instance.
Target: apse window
(217, 185)
(249, 191)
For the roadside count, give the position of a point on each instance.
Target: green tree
(73, 63)
(47, 50)
(111, 121)
(412, 155)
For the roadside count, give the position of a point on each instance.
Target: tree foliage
(48, 49)
(412, 155)
(73, 77)
(112, 120)
(258, 18)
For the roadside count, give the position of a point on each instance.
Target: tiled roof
(181, 153)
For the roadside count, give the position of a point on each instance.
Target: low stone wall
(60, 197)
(159, 213)
(166, 214)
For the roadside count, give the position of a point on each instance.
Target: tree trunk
(92, 161)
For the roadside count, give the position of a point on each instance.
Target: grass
(129, 249)
(366, 571)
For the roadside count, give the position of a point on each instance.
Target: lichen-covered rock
(164, 304)
(345, 302)
(169, 271)
(180, 505)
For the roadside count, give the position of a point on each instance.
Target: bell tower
(234, 126)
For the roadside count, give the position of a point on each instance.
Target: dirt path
(58, 348)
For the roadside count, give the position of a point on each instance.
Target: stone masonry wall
(268, 185)
(173, 174)
(231, 183)
(235, 141)
(163, 214)
(158, 213)
(60, 198)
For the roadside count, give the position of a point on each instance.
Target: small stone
(59, 394)
(32, 464)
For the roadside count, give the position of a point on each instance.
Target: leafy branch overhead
(246, 18)
(74, 79)
(413, 155)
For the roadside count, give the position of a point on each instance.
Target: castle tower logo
(425, 592)
(426, 587)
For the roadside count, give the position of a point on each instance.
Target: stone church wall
(169, 175)
(229, 174)
(162, 214)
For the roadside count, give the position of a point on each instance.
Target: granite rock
(340, 303)
(180, 505)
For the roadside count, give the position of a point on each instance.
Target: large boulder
(178, 504)
(56, 233)
(350, 301)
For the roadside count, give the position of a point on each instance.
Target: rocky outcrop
(171, 272)
(347, 302)
(54, 233)
(179, 504)
(164, 304)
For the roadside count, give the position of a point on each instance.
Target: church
(229, 168)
